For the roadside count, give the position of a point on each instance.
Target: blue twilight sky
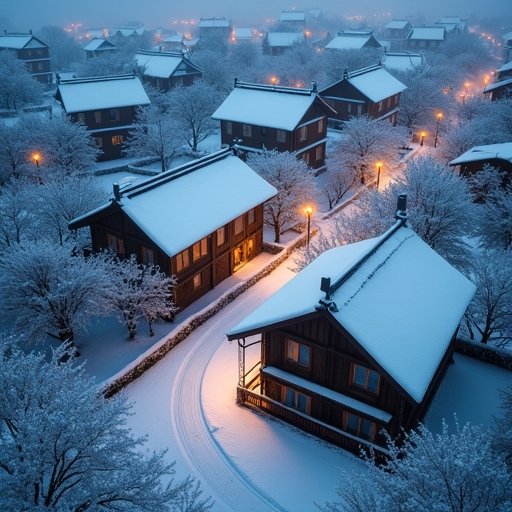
(32, 14)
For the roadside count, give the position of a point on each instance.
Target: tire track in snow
(190, 425)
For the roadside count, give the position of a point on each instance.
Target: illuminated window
(365, 378)
(296, 400)
(298, 353)
(360, 427)
(197, 281)
(182, 260)
(239, 225)
(221, 236)
(247, 130)
(281, 136)
(199, 249)
(117, 139)
(251, 216)
(229, 128)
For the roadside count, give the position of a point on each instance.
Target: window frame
(303, 133)
(97, 116)
(238, 227)
(321, 125)
(220, 236)
(319, 153)
(281, 136)
(197, 280)
(182, 260)
(200, 249)
(114, 114)
(294, 399)
(117, 140)
(247, 130)
(298, 353)
(368, 374)
(147, 255)
(360, 422)
(229, 127)
(251, 216)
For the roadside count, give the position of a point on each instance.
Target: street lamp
(379, 167)
(439, 117)
(36, 158)
(422, 141)
(308, 211)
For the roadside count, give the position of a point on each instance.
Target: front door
(242, 253)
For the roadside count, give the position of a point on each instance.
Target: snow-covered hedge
(487, 353)
(162, 348)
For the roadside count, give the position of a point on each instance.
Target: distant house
(501, 88)
(498, 156)
(106, 106)
(173, 43)
(135, 31)
(452, 24)
(276, 43)
(292, 21)
(396, 33)
(370, 91)
(402, 61)
(242, 35)
(200, 222)
(356, 342)
(32, 51)
(353, 40)
(99, 46)
(425, 38)
(215, 27)
(272, 117)
(165, 70)
(507, 46)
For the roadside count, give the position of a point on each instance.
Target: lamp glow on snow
(379, 168)
(439, 116)
(36, 157)
(274, 80)
(308, 210)
(422, 140)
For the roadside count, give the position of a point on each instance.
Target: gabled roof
(128, 31)
(292, 16)
(427, 34)
(242, 33)
(19, 41)
(177, 208)
(99, 44)
(505, 67)
(496, 85)
(163, 64)
(284, 39)
(269, 106)
(352, 40)
(403, 61)
(214, 23)
(97, 93)
(501, 151)
(397, 24)
(374, 82)
(398, 299)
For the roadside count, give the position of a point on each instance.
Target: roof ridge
(362, 71)
(156, 54)
(275, 88)
(91, 79)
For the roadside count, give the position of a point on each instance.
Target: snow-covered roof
(128, 31)
(402, 61)
(507, 36)
(19, 41)
(397, 297)
(292, 16)
(376, 84)
(349, 41)
(177, 208)
(501, 151)
(273, 107)
(160, 64)
(497, 85)
(397, 24)
(505, 67)
(242, 33)
(176, 38)
(86, 94)
(285, 39)
(427, 33)
(214, 23)
(99, 44)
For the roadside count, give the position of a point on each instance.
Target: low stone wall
(487, 353)
(155, 354)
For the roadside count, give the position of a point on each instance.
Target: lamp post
(308, 211)
(422, 140)
(379, 167)
(36, 158)
(439, 117)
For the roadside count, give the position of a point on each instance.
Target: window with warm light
(199, 249)
(296, 400)
(182, 260)
(117, 140)
(221, 236)
(358, 426)
(197, 281)
(365, 378)
(298, 353)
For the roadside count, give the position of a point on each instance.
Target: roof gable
(415, 297)
(86, 94)
(20, 41)
(284, 39)
(427, 34)
(99, 44)
(501, 151)
(353, 40)
(164, 64)
(402, 61)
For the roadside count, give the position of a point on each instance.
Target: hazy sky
(26, 14)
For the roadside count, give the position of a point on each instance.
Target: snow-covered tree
(502, 426)
(446, 472)
(64, 146)
(13, 151)
(335, 62)
(192, 106)
(365, 142)
(17, 87)
(63, 446)
(340, 180)
(489, 315)
(46, 291)
(64, 50)
(139, 291)
(461, 138)
(295, 184)
(157, 134)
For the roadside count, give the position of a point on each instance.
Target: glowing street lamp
(439, 116)
(274, 80)
(36, 157)
(422, 140)
(379, 167)
(308, 211)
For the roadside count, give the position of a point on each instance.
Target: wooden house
(32, 51)
(200, 222)
(98, 47)
(165, 70)
(396, 33)
(276, 43)
(402, 61)
(220, 28)
(425, 38)
(173, 43)
(261, 117)
(357, 342)
(353, 40)
(370, 91)
(292, 21)
(106, 105)
(501, 88)
(452, 24)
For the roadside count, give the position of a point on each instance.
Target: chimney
(325, 286)
(401, 209)
(117, 192)
(236, 82)
(314, 86)
(326, 304)
(345, 73)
